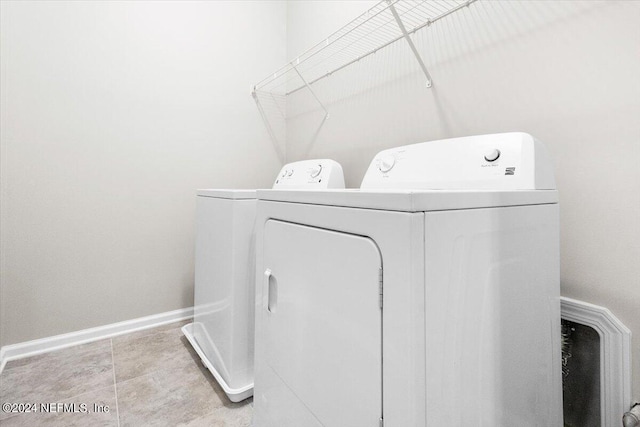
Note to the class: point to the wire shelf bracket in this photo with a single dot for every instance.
(410, 42)
(308, 86)
(387, 22)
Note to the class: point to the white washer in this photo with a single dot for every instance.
(429, 297)
(222, 332)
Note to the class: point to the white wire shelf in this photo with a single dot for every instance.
(384, 24)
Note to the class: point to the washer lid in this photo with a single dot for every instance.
(413, 200)
(316, 174)
(227, 194)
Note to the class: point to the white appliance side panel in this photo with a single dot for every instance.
(322, 327)
(224, 276)
(492, 302)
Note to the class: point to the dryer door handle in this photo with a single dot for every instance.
(272, 291)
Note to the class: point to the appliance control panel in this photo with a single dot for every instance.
(310, 174)
(506, 161)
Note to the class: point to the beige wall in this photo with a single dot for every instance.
(113, 114)
(566, 72)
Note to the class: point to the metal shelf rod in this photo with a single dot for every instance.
(391, 7)
(326, 43)
(382, 25)
(443, 15)
(353, 61)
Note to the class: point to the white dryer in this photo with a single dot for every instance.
(222, 332)
(429, 297)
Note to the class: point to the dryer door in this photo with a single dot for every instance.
(322, 329)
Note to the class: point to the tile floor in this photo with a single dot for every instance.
(146, 378)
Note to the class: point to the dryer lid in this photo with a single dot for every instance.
(505, 161)
(315, 174)
(412, 200)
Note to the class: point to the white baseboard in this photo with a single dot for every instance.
(615, 356)
(57, 342)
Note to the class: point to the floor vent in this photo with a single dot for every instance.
(596, 365)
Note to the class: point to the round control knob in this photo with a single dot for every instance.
(290, 172)
(386, 163)
(284, 173)
(315, 171)
(492, 155)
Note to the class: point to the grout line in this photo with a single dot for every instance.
(115, 386)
